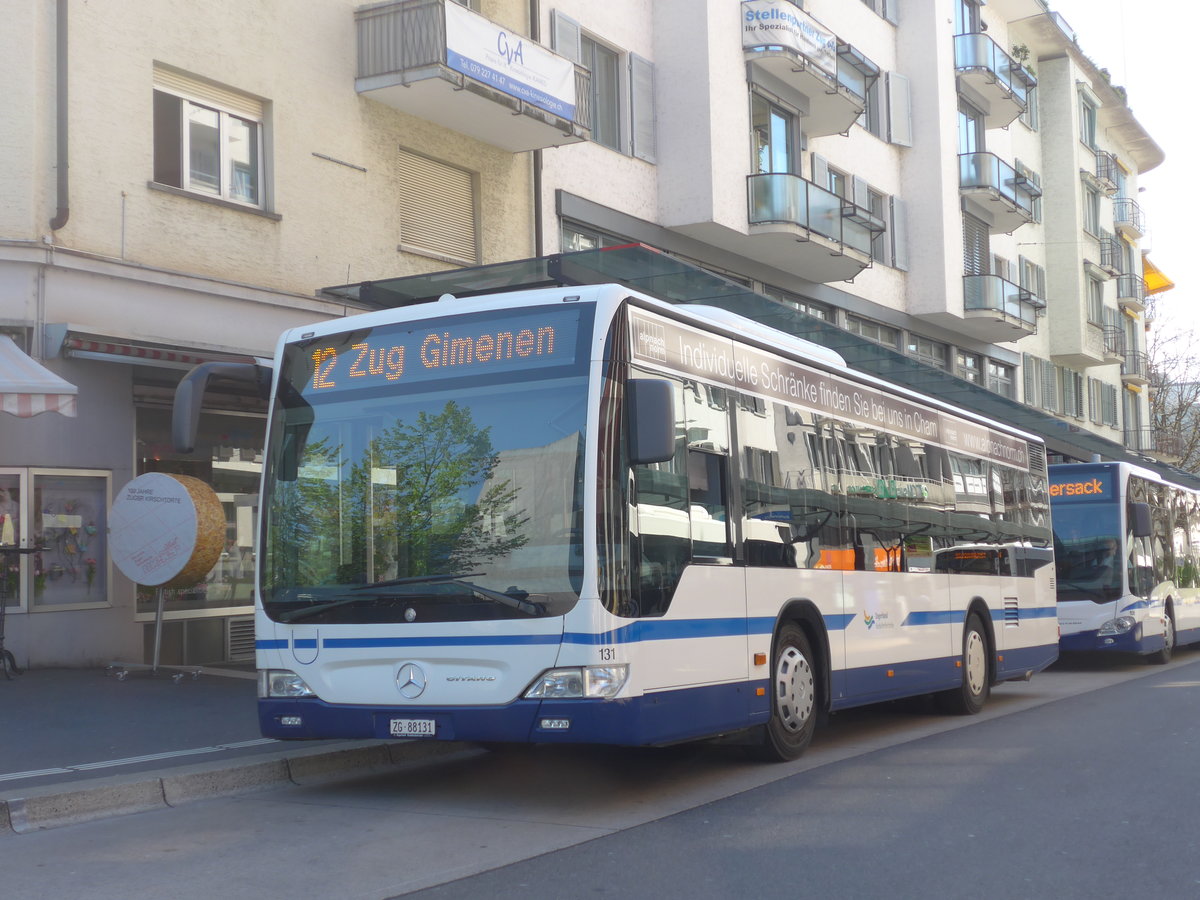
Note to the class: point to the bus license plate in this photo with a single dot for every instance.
(411, 728)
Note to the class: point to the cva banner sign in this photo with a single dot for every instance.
(509, 62)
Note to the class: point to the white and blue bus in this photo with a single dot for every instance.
(585, 515)
(1126, 547)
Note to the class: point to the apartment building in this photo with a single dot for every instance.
(944, 191)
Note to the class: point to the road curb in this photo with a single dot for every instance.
(71, 804)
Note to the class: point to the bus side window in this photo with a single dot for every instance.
(709, 504)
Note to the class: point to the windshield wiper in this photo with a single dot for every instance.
(380, 589)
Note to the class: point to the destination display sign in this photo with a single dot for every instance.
(663, 343)
(460, 346)
(1081, 486)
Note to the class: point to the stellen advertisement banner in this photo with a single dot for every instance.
(778, 23)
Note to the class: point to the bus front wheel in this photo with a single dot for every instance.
(969, 697)
(1163, 656)
(793, 697)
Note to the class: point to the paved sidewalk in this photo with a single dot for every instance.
(79, 744)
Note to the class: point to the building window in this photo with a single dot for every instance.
(1071, 391)
(207, 139)
(1095, 301)
(774, 130)
(581, 237)
(968, 366)
(1091, 210)
(438, 215)
(803, 304)
(1087, 120)
(1001, 379)
(929, 352)
(874, 331)
(1029, 116)
(604, 65)
(886, 8)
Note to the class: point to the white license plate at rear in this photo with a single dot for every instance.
(412, 728)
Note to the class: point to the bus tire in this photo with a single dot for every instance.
(1163, 656)
(794, 705)
(968, 698)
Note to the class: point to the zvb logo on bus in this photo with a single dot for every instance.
(1093, 488)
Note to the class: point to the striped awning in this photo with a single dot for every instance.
(27, 388)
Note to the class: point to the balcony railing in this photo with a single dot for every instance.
(1131, 292)
(1114, 342)
(1110, 252)
(1003, 81)
(1128, 218)
(1136, 367)
(989, 174)
(1107, 171)
(779, 198)
(409, 59)
(1141, 439)
(1008, 302)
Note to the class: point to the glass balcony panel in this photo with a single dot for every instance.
(825, 213)
(978, 51)
(996, 294)
(778, 198)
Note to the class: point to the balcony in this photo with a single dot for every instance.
(996, 310)
(439, 61)
(1141, 439)
(1107, 174)
(1002, 82)
(805, 229)
(1110, 253)
(1136, 368)
(810, 59)
(1128, 218)
(1131, 292)
(1114, 343)
(999, 194)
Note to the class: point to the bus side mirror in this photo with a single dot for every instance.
(1139, 520)
(651, 416)
(189, 396)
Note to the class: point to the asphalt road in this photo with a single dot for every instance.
(1078, 784)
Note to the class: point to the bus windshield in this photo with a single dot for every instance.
(1087, 558)
(452, 492)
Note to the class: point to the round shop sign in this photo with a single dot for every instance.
(166, 530)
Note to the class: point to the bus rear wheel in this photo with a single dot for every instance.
(793, 698)
(969, 697)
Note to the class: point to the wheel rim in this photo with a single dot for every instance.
(976, 662)
(1169, 634)
(794, 689)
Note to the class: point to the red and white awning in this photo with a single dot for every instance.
(27, 388)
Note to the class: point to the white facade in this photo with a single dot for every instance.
(219, 177)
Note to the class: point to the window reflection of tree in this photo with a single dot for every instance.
(420, 500)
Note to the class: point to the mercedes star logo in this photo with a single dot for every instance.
(410, 680)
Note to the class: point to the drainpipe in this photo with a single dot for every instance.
(60, 25)
(535, 32)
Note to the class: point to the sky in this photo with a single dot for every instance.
(1151, 49)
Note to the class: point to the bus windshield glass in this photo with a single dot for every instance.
(1087, 558)
(429, 471)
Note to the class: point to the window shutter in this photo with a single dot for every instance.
(899, 109)
(820, 171)
(1029, 380)
(437, 209)
(860, 192)
(565, 35)
(209, 94)
(975, 246)
(641, 80)
(899, 230)
(1049, 386)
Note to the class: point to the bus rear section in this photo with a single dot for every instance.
(1125, 544)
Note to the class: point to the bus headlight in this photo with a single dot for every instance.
(1119, 625)
(579, 682)
(282, 683)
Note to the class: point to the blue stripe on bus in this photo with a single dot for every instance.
(271, 645)
(1137, 604)
(473, 640)
(935, 617)
(305, 643)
